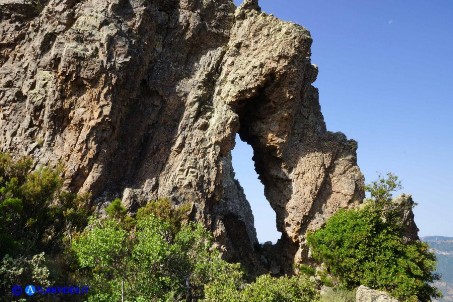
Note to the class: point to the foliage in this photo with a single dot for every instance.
(115, 209)
(162, 257)
(165, 211)
(326, 279)
(38, 218)
(382, 189)
(338, 295)
(365, 246)
(265, 288)
(291, 289)
(34, 211)
(156, 258)
(306, 270)
(23, 270)
(227, 284)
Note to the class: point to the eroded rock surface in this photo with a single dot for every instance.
(404, 205)
(365, 294)
(143, 99)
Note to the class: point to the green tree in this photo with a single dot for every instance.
(160, 256)
(34, 210)
(22, 270)
(264, 289)
(270, 289)
(116, 210)
(155, 258)
(175, 216)
(38, 218)
(382, 189)
(366, 246)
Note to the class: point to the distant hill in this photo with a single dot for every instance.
(443, 247)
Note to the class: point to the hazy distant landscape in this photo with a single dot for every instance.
(443, 247)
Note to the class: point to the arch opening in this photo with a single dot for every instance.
(245, 173)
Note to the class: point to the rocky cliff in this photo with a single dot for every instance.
(143, 99)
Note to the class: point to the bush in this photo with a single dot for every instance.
(156, 258)
(365, 246)
(265, 288)
(115, 209)
(167, 258)
(35, 212)
(338, 295)
(163, 209)
(38, 218)
(23, 270)
(290, 289)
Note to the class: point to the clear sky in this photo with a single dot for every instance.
(385, 80)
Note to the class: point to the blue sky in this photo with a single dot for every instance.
(385, 80)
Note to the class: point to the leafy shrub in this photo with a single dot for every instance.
(34, 210)
(306, 270)
(290, 289)
(38, 218)
(163, 257)
(163, 209)
(115, 209)
(265, 288)
(365, 246)
(23, 270)
(157, 259)
(338, 295)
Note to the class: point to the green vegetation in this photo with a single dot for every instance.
(34, 211)
(295, 289)
(49, 236)
(365, 246)
(38, 218)
(338, 295)
(265, 288)
(23, 270)
(147, 254)
(160, 255)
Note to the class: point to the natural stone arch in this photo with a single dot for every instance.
(144, 100)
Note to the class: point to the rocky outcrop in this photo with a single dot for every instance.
(365, 294)
(143, 99)
(404, 205)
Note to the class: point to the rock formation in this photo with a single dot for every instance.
(143, 99)
(365, 294)
(404, 205)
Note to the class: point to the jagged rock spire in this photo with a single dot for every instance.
(250, 4)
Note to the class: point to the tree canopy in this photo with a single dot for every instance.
(365, 246)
